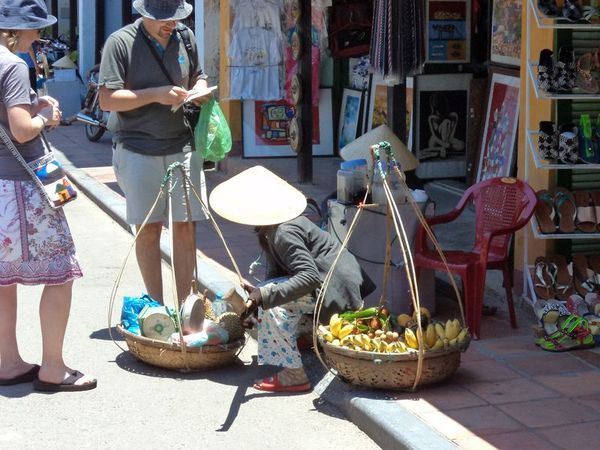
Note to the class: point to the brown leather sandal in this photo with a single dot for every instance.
(543, 279)
(586, 212)
(566, 209)
(544, 212)
(584, 277)
(563, 283)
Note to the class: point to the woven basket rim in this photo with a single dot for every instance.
(365, 355)
(221, 348)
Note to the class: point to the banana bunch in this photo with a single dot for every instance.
(448, 335)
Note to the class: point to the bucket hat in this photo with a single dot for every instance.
(257, 197)
(163, 9)
(24, 15)
(361, 147)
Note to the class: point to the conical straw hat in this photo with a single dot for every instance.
(360, 148)
(64, 63)
(257, 197)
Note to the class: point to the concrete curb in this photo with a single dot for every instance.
(389, 424)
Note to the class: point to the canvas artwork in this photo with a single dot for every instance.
(349, 116)
(448, 31)
(358, 72)
(506, 32)
(377, 109)
(500, 131)
(410, 97)
(441, 115)
(265, 127)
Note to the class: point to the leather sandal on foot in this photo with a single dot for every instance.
(27, 377)
(566, 209)
(545, 213)
(272, 384)
(586, 212)
(69, 384)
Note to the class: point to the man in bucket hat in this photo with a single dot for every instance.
(147, 67)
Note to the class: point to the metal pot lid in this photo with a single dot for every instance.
(295, 134)
(296, 89)
(296, 46)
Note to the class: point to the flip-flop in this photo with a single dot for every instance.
(586, 212)
(272, 384)
(27, 377)
(544, 212)
(544, 281)
(566, 209)
(563, 283)
(68, 384)
(584, 278)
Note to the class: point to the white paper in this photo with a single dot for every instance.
(192, 95)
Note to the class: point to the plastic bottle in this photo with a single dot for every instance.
(218, 305)
(345, 186)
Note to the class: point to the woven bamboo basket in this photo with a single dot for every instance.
(401, 371)
(390, 371)
(169, 355)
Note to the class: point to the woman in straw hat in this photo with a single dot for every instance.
(35, 242)
(301, 252)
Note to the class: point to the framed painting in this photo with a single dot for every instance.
(350, 114)
(358, 72)
(441, 124)
(506, 32)
(499, 137)
(410, 101)
(265, 127)
(447, 31)
(377, 108)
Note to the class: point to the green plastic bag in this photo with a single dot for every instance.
(212, 134)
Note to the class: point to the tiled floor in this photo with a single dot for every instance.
(507, 393)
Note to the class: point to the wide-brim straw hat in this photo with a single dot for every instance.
(361, 148)
(257, 197)
(64, 63)
(163, 9)
(25, 15)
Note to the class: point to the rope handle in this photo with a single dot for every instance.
(167, 186)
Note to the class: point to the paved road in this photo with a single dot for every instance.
(137, 406)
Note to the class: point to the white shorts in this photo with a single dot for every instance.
(140, 177)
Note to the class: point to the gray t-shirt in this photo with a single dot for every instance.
(128, 63)
(15, 90)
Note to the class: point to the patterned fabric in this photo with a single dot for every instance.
(548, 141)
(36, 246)
(564, 73)
(546, 78)
(278, 330)
(567, 148)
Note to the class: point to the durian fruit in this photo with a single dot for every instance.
(233, 324)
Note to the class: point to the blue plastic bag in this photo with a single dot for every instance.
(131, 310)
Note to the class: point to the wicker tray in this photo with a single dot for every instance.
(390, 371)
(169, 355)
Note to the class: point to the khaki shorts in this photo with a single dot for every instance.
(140, 178)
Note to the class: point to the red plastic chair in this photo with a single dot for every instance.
(502, 206)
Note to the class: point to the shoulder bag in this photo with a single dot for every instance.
(46, 172)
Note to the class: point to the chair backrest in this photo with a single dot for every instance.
(502, 206)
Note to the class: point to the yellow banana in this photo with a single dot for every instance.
(452, 342)
(439, 344)
(345, 331)
(400, 347)
(328, 336)
(430, 335)
(349, 339)
(452, 329)
(335, 325)
(439, 330)
(462, 336)
(410, 338)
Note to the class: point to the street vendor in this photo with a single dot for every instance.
(300, 254)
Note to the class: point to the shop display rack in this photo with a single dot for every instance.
(544, 22)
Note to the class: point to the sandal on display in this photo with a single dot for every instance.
(566, 209)
(572, 10)
(549, 8)
(592, 300)
(585, 80)
(543, 279)
(548, 312)
(568, 144)
(573, 333)
(548, 140)
(577, 305)
(546, 71)
(545, 213)
(584, 278)
(594, 263)
(563, 282)
(585, 138)
(586, 212)
(565, 74)
(596, 200)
